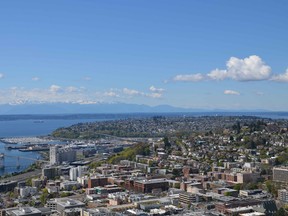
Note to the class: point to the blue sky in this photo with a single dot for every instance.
(196, 54)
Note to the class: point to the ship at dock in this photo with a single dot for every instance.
(29, 149)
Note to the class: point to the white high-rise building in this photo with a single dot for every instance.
(73, 173)
(76, 172)
(79, 169)
(54, 155)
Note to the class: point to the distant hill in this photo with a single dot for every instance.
(65, 108)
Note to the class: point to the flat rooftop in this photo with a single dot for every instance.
(25, 211)
(66, 202)
(152, 181)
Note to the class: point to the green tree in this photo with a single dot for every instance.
(44, 196)
(11, 194)
(177, 185)
(220, 164)
(237, 127)
(269, 186)
(227, 193)
(237, 187)
(281, 212)
(29, 182)
(167, 144)
(252, 186)
(130, 153)
(176, 172)
(32, 203)
(64, 194)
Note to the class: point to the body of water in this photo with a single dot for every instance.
(15, 160)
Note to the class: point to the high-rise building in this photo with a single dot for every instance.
(59, 155)
(280, 174)
(54, 155)
(67, 155)
(51, 172)
(76, 172)
(73, 173)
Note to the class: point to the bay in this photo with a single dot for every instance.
(15, 161)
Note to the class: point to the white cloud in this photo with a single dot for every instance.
(189, 77)
(85, 102)
(247, 69)
(131, 92)
(1, 75)
(217, 74)
(35, 78)
(72, 89)
(154, 95)
(231, 92)
(70, 94)
(16, 95)
(111, 94)
(157, 90)
(251, 68)
(281, 77)
(55, 88)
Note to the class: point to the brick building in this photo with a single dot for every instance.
(97, 181)
(187, 170)
(146, 186)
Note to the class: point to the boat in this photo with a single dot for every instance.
(39, 121)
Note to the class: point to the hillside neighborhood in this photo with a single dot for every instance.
(209, 165)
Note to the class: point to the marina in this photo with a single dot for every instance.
(16, 138)
(27, 140)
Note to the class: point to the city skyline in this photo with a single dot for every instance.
(190, 54)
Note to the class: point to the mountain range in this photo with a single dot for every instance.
(69, 108)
